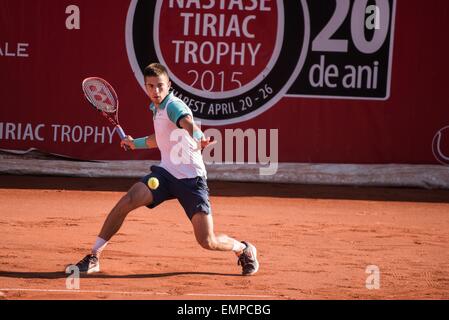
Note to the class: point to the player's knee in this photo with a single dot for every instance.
(208, 243)
(136, 197)
(129, 200)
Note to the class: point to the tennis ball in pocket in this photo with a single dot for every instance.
(153, 183)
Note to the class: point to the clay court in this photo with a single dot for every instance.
(314, 242)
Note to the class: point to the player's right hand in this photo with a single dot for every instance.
(127, 143)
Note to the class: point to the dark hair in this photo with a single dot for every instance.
(155, 70)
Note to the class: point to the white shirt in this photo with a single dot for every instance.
(180, 154)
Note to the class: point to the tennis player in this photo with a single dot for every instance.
(181, 175)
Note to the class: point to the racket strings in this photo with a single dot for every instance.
(100, 96)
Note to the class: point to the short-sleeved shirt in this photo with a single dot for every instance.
(180, 154)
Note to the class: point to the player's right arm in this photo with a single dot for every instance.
(151, 142)
(148, 142)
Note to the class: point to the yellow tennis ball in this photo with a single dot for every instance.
(153, 183)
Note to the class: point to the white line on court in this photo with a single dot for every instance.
(227, 295)
(148, 293)
(85, 291)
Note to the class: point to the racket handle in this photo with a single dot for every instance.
(122, 135)
(120, 132)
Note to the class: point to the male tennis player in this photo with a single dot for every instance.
(181, 175)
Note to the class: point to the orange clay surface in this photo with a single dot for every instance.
(314, 242)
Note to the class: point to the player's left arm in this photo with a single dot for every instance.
(187, 123)
(181, 115)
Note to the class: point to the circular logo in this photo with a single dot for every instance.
(228, 61)
(440, 144)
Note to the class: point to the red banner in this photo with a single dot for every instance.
(341, 81)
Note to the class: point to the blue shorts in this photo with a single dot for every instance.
(192, 193)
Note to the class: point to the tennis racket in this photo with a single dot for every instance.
(103, 98)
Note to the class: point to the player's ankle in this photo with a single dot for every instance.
(98, 247)
(238, 247)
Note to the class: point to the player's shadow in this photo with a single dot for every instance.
(100, 275)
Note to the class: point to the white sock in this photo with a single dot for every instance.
(99, 246)
(238, 246)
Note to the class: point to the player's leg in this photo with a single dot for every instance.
(193, 194)
(139, 195)
(203, 228)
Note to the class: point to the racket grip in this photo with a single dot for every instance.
(120, 132)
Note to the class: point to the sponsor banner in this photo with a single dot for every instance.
(225, 57)
(350, 52)
(347, 81)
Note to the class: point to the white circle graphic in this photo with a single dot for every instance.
(230, 93)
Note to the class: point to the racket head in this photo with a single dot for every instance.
(100, 94)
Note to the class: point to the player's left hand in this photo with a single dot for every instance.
(206, 142)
